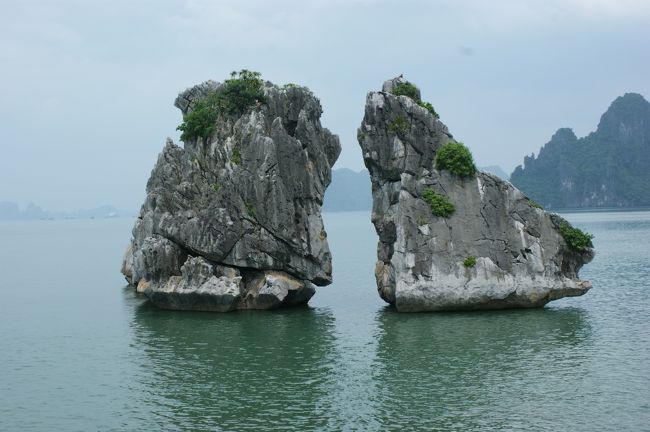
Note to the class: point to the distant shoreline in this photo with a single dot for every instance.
(550, 210)
(597, 209)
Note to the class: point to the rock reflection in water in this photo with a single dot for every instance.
(480, 370)
(244, 371)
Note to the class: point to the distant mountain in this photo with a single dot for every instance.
(496, 170)
(11, 211)
(607, 168)
(349, 191)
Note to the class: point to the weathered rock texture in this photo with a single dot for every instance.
(521, 258)
(234, 222)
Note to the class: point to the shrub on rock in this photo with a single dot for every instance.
(410, 90)
(576, 238)
(407, 89)
(243, 90)
(440, 205)
(456, 158)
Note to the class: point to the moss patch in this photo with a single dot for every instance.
(440, 205)
(251, 211)
(399, 125)
(469, 262)
(236, 156)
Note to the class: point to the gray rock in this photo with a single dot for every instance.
(200, 287)
(127, 264)
(521, 258)
(390, 85)
(234, 222)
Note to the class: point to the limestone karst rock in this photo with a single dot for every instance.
(496, 250)
(606, 168)
(233, 221)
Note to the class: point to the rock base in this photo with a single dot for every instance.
(204, 286)
(426, 297)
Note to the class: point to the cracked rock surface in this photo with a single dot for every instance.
(521, 258)
(234, 222)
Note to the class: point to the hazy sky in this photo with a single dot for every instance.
(87, 87)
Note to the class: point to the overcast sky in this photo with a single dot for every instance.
(87, 87)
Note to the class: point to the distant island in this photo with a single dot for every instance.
(608, 168)
(350, 190)
(12, 211)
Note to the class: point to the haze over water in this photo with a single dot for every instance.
(80, 351)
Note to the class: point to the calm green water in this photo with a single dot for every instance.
(79, 351)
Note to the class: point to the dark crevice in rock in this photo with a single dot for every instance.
(290, 127)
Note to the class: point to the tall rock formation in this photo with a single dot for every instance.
(607, 168)
(232, 220)
(495, 250)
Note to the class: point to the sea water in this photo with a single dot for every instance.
(80, 351)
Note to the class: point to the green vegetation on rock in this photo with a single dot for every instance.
(251, 210)
(455, 158)
(429, 108)
(236, 156)
(289, 86)
(406, 89)
(200, 122)
(470, 261)
(576, 238)
(243, 90)
(440, 205)
(535, 204)
(410, 90)
(399, 125)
